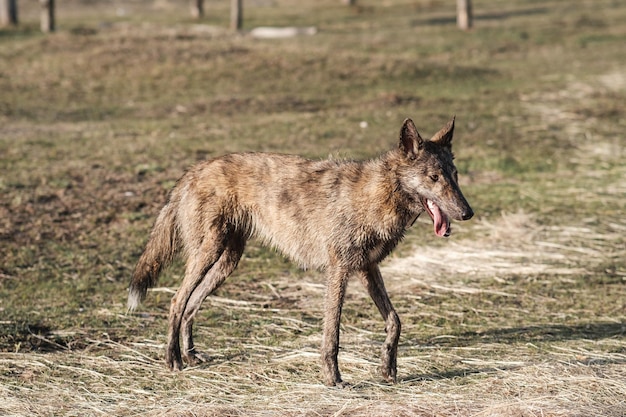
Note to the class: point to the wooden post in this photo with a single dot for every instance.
(464, 14)
(197, 8)
(236, 14)
(47, 16)
(8, 12)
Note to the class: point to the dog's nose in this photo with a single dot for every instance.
(467, 214)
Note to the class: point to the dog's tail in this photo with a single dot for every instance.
(162, 245)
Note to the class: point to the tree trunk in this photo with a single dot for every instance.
(464, 14)
(236, 14)
(47, 16)
(8, 12)
(197, 8)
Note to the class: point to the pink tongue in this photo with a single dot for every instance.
(440, 220)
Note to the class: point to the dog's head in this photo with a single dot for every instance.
(430, 177)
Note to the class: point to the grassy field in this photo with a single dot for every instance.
(521, 312)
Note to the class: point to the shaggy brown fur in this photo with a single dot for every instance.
(342, 217)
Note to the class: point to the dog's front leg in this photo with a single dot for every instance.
(336, 283)
(373, 281)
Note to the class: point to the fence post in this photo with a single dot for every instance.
(236, 14)
(8, 12)
(47, 16)
(464, 14)
(197, 8)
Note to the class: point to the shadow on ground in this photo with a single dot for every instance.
(539, 333)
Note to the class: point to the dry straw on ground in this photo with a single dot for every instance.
(483, 378)
(515, 316)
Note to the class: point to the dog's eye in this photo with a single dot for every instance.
(434, 177)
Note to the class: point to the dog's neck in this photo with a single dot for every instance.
(388, 204)
(404, 201)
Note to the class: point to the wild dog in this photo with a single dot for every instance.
(341, 217)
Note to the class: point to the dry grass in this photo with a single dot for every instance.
(542, 368)
(564, 382)
(520, 313)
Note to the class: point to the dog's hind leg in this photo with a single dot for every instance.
(373, 281)
(224, 266)
(200, 261)
(336, 283)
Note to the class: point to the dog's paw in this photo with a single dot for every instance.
(340, 385)
(390, 375)
(195, 358)
(173, 361)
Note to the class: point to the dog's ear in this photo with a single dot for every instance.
(444, 136)
(410, 140)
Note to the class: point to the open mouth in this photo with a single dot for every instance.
(441, 222)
